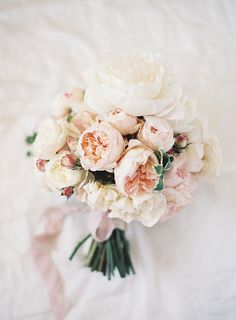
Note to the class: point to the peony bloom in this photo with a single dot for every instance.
(212, 159)
(100, 147)
(156, 133)
(135, 172)
(67, 101)
(138, 83)
(146, 208)
(59, 176)
(50, 138)
(178, 173)
(98, 196)
(182, 116)
(121, 121)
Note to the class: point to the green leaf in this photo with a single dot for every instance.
(31, 139)
(160, 185)
(78, 164)
(167, 161)
(29, 153)
(159, 169)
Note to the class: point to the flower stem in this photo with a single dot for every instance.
(79, 245)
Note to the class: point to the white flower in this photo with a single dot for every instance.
(146, 208)
(194, 153)
(79, 123)
(203, 154)
(59, 176)
(212, 159)
(50, 138)
(138, 84)
(182, 116)
(98, 196)
(67, 101)
(156, 133)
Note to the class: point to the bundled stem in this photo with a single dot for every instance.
(109, 255)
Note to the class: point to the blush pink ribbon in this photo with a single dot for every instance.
(101, 226)
(48, 229)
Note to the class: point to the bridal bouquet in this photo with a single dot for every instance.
(131, 146)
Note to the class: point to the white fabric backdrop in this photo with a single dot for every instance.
(186, 268)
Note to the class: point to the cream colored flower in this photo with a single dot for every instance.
(59, 176)
(98, 196)
(139, 84)
(146, 208)
(182, 116)
(100, 147)
(135, 172)
(50, 138)
(67, 101)
(212, 159)
(121, 121)
(79, 123)
(156, 133)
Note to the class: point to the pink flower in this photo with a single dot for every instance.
(100, 147)
(178, 173)
(68, 160)
(67, 192)
(135, 172)
(40, 164)
(176, 199)
(156, 133)
(180, 196)
(123, 122)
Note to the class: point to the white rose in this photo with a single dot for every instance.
(50, 138)
(182, 116)
(59, 177)
(194, 153)
(139, 84)
(146, 208)
(197, 136)
(98, 196)
(67, 101)
(156, 133)
(212, 159)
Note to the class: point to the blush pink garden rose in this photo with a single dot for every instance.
(123, 122)
(179, 188)
(176, 199)
(156, 133)
(178, 173)
(135, 172)
(100, 147)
